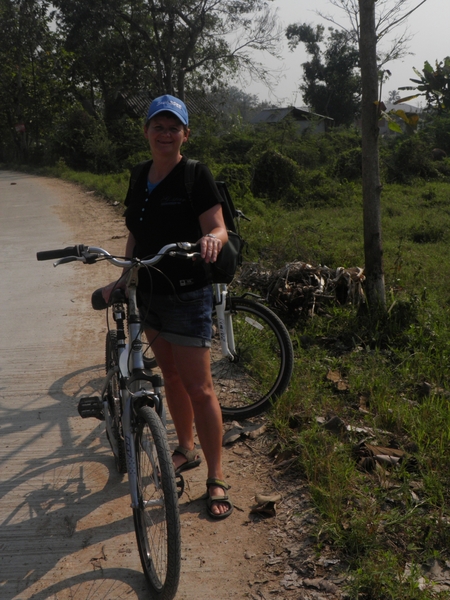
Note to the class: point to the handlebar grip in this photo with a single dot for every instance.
(60, 253)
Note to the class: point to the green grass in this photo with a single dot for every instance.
(384, 523)
(113, 187)
(387, 523)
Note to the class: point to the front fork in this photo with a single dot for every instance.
(129, 424)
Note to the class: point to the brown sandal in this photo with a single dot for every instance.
(210, 499)
(192, 459)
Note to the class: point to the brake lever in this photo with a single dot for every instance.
(66, 259)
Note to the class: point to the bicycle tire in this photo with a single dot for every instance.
(157, 525)
(262, 367)
(113, 395)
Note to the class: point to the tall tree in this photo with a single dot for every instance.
(169, 45)
(30, 76)
(373, 251)
(369, 28)
(204, 43)
(368, 22)
(331, 83)
(108, 55)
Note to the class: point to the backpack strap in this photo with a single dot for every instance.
(228, 210)
(189, 177)
(136, 172)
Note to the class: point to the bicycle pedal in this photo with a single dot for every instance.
(91, 406)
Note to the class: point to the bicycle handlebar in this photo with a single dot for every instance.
(90, 254)
(73, 251)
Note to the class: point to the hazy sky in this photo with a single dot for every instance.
(429, 26)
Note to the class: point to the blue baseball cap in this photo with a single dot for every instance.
(169, 104)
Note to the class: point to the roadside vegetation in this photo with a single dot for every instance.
(363, 386)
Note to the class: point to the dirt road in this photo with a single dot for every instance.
(66, 530)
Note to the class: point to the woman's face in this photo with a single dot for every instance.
(165, 134)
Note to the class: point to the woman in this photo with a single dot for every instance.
(176, 299)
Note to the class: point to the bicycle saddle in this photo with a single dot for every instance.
(98, 302)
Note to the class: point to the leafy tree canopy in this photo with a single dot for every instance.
(332, 84)
(167, 46)
(33, 74)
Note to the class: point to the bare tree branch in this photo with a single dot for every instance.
(390, 14)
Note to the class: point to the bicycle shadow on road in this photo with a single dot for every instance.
(65, 509)
(110, 583)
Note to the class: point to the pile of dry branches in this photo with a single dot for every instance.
(302, 289)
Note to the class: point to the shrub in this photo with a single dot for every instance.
(273, 175)
(411, 159)
(438, 131)
(349, 165)
(128, 138)
(315, 188)
(237, 178)
(236, 147)
(427, 233)
(338, 141)
(100, 151)
(83, 143)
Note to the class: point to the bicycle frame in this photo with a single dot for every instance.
(132, 407)
(131, 373)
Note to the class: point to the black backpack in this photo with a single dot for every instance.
(230, 257)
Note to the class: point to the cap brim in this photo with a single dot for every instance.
(177, 115)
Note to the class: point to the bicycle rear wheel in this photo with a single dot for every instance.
(157, 520)
(261, 370)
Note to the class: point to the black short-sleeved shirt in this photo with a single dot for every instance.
(167, 215)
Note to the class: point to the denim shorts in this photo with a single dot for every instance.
(184, 319)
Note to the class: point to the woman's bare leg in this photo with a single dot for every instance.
(190, 394)
(178, 400)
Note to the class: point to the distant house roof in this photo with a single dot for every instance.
(275, 115)
(136, 105)
(408, 108)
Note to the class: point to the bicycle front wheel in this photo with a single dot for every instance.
(261, 369)
(157, 520)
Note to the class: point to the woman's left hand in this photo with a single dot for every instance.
(210, 246)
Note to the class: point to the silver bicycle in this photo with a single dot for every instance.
(132, 407)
